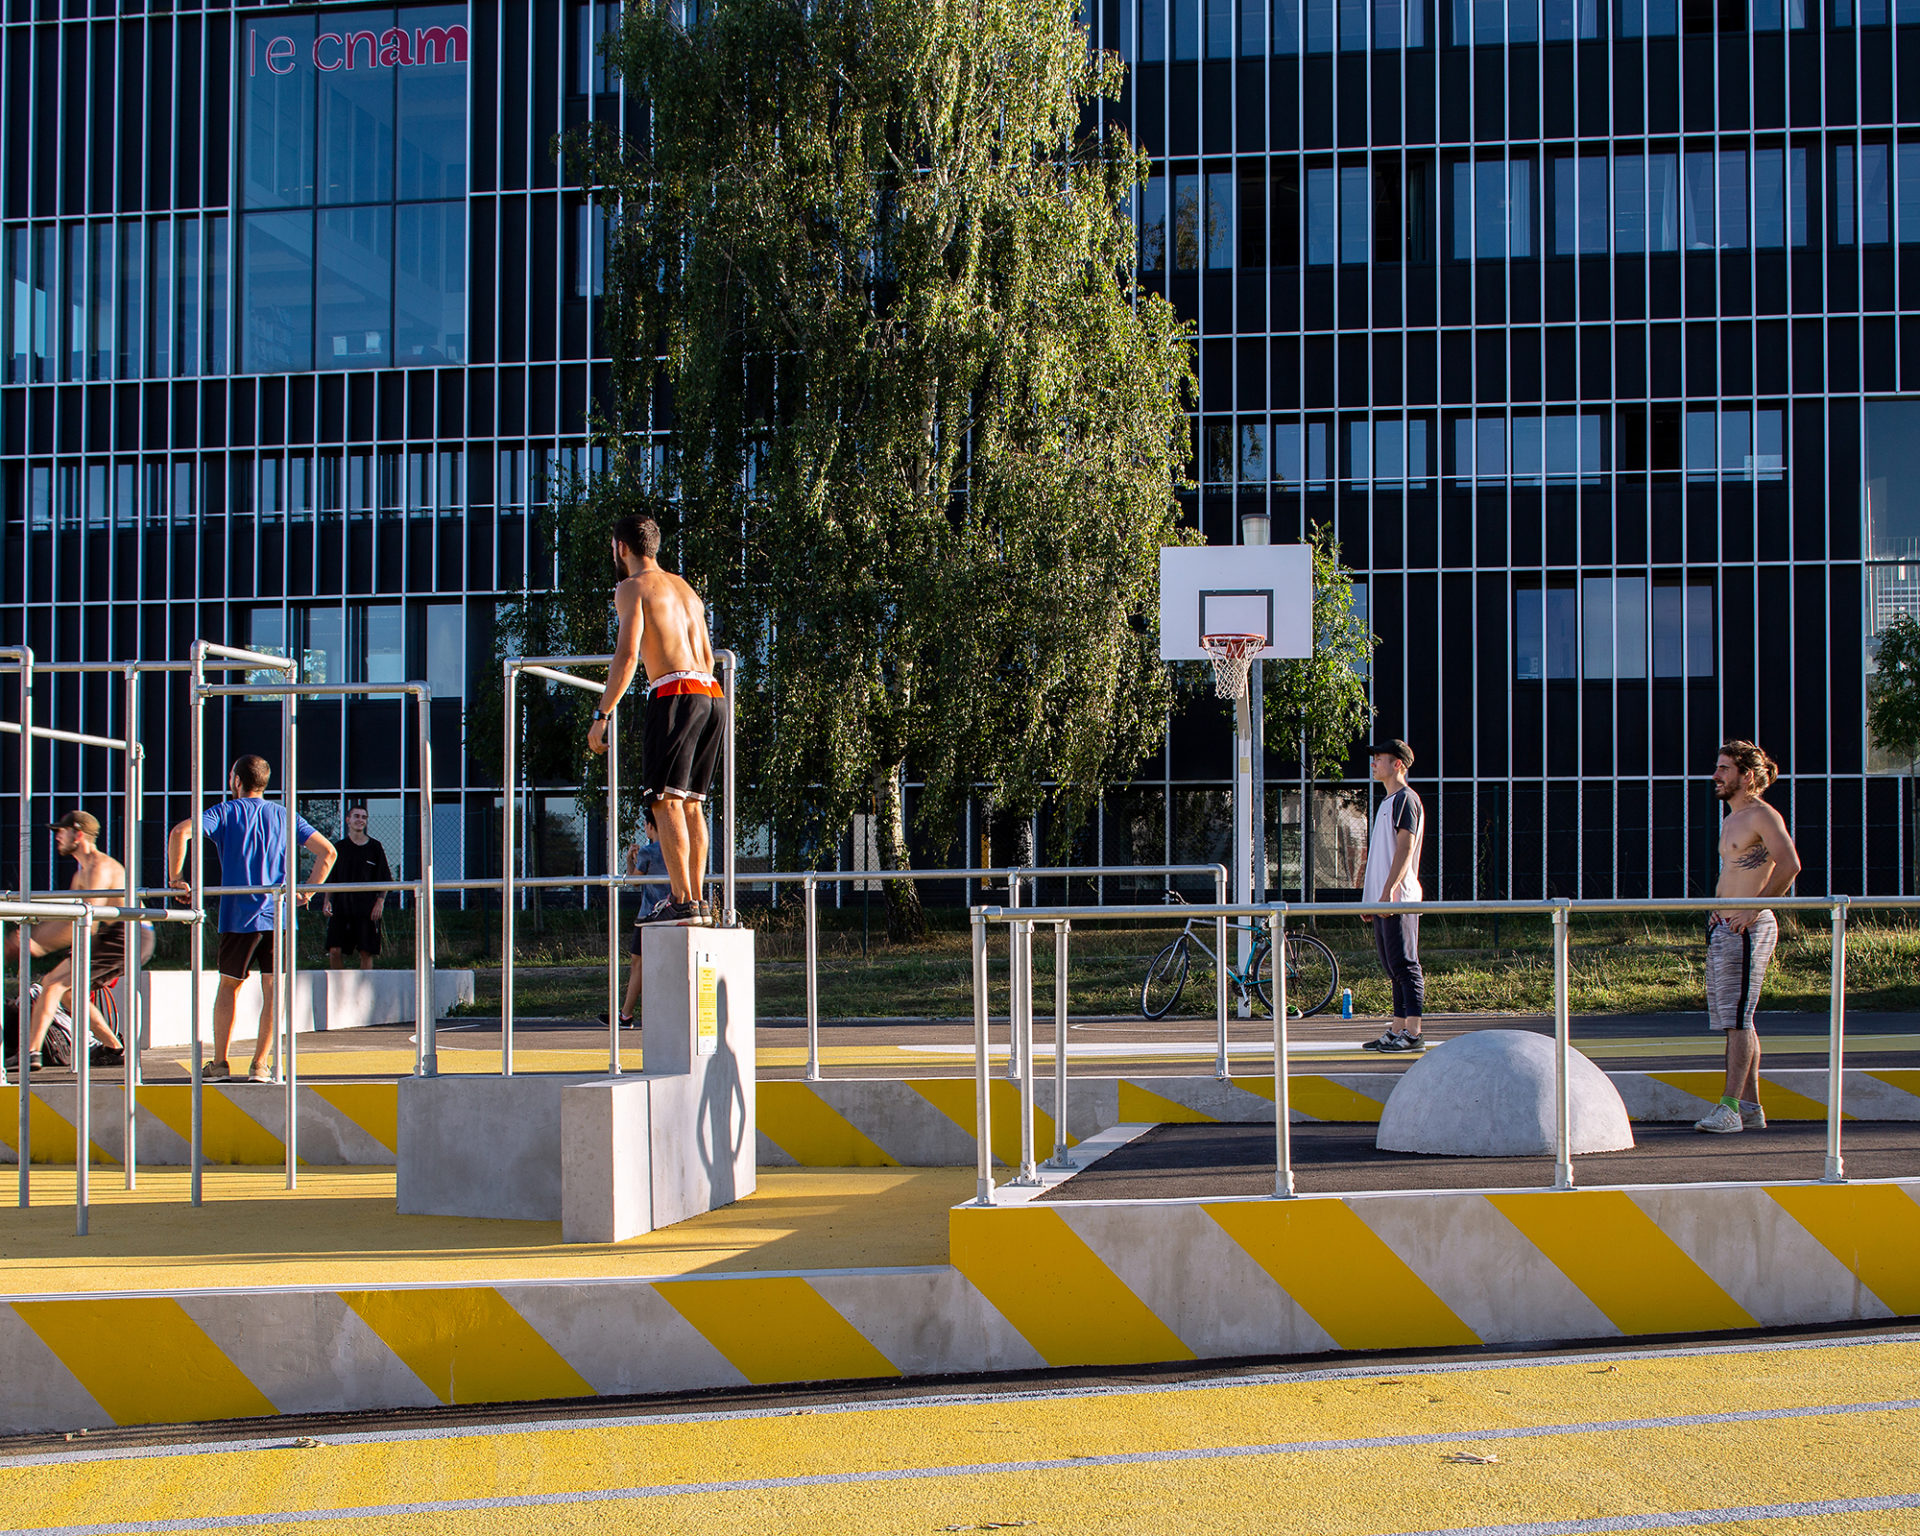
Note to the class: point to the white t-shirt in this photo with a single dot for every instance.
(1400, 812)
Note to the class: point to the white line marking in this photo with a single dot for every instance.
(1689, 1517)
(1066, 1464)
(1146, 1048)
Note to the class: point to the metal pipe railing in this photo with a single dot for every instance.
(1019, 922)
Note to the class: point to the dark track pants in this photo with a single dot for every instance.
(1398, 941)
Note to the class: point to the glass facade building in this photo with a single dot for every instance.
(1585, 323)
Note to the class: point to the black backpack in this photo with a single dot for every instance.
(56, 1050)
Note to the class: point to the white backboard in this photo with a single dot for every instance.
(1249, 589)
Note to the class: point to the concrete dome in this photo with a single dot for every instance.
(1490, 1094)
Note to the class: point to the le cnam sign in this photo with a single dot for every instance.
(395, 47)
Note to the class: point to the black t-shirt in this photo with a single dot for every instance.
(359, 863)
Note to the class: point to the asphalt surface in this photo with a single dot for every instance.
(1173, 1162)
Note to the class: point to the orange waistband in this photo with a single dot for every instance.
(666, 688)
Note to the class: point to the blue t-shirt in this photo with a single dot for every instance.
(251, 835)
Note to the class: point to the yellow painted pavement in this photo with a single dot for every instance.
(1301, 1456)
(346, 1232)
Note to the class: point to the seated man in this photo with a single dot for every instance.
(74, 836)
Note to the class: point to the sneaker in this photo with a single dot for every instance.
(1403, 1043)
(1384, 1043)
(626, 1019)
(215, 1072)
(1754, 1119)
(107, 1056)
(261, 1074)
(706, 914)
(665, 911)
(33, 1062)
(1719, 1120)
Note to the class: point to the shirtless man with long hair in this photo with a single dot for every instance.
(1757, 858)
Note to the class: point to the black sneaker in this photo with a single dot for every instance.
(663, 912)
(1393, 1042)
(107, 1056)
(33, 1062)
(1384, 1043)
(626, 1019)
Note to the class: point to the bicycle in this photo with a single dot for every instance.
(1313, 975)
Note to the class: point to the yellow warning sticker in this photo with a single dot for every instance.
(706, 1006)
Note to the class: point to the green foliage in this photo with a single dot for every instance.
(1324, 695)
(1893, 693)
(925, 433)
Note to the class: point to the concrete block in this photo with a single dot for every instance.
(481, 1146)
(606, 1160)
(1491, 1094)
(321, 1000)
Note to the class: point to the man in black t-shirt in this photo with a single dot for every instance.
(353, 917)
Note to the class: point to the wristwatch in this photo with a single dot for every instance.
(603, 714)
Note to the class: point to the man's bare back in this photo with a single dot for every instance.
(99, 871)
(670, 619)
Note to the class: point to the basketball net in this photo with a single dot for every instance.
(1232, 657)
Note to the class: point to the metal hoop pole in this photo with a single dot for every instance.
(1282, 1095)
(1060, 1159)
(615, 867)
(1562, 1046)
(426, 1047)
(810, 912)
(731, 666)
(290, 929)
(982, 1082)
(80, 995)
(1014, 1070)
(197, 895)
(1836, 1170)
(1023, 1026)
(134, 768)
(509, 792)
(25, 1141)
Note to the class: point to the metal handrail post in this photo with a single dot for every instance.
(23, 660)
(1282, 1092)
(82, 1013)
(1014, 979)
(1029, 1170)
(425, 909)
(1221, 1069)
(982, 1083)
(133, 769)
(290, 927)
(730, 666)
(1060, 1159)
(1562, 1046)
(509, 792)
(615, 867)
(1836, 1171)
(810, 914)
(197, 897)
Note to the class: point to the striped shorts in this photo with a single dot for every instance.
(1736, 965)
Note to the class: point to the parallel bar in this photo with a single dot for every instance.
(1836, 1170)
(82, 1014)
(615, 865)
(426, 1048)
(289, 960)
(1282, 1093)
(809, 891)
(1029, 1175)
(509, 795)
(729, 665)
(197, 899)
(1562, 1046)
(982, 1101)
(133, 766)
(1221, 1069)
(554, 675)
(79, 738)
(304, 690)
(22, 658)
(1060, 1158)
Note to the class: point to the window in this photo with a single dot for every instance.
(382, 643)
(1546, 632)
(1683, 629)
(1153, 31)
(1219, 29)
(1186, 29)
(1320, 225)
(1699, 200)
(1733, 199)
(1186, 223)
(1286, 26)
(323, 656)
(447, 650)
(1356, 240)
(1219, 222)
(1580, 216)
(1874, 227)
(1353, 26)
(1218, 468)
(1153, 225)
(1319, 26)
(1614, 627)
(352, 246)
(1253, 454)
(1843, 194)
(1909, 204)
(1892, 501)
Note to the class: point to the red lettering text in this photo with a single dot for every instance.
(440, 45)
(373, 48)
(396, 46)
(320, 42)
(280, 55)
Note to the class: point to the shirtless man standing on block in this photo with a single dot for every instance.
(1757, 858)
(663, 625)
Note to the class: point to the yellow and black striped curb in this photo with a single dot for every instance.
(1057, 1284)
(866, 1122)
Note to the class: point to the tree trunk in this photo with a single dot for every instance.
(906, 922)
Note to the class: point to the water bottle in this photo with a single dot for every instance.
(1346, 1002)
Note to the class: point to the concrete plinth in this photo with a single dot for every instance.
(607, 1157)
(321, 1000)
(1491, 1094)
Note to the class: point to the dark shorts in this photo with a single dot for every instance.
(109, 958)
(243, 952)
(357, 935)
(680, 746)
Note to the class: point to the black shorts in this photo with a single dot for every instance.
(243, 952)
(109, 957)
(680, 746)
(357, 935)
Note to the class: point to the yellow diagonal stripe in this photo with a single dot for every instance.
(1779, 1103)
(1619, 1259)
(797, 1120)
(1055, 1290)
(52, 1133)
(1341, 1274)
(953, 1097)
(144, 1360)
(467, 1345)
(1906, 1079)
(1873, 1229)
(229, 1134)
(1142, 1106)
(775, 1328)
(1320, 1097)
(374, 1107)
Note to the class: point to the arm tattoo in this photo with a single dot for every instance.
(1755, 857)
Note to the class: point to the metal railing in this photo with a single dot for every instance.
(1020, 923)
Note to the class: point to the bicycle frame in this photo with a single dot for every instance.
(1262, 942)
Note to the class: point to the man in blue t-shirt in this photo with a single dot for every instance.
(251, 835)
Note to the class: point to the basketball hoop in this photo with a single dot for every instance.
(1232, 656)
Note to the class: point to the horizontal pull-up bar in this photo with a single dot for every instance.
(550, 675)
(29, 910)
(559, 661)
(78, 738)
(204, 649)
(310, 690)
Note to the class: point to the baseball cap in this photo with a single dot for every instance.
(79, 821)
(1393, 747)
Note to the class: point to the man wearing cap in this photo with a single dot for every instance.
(1393, 875)
(75, 836)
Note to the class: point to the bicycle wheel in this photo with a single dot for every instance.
(1313, 975)
(1165, 978)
